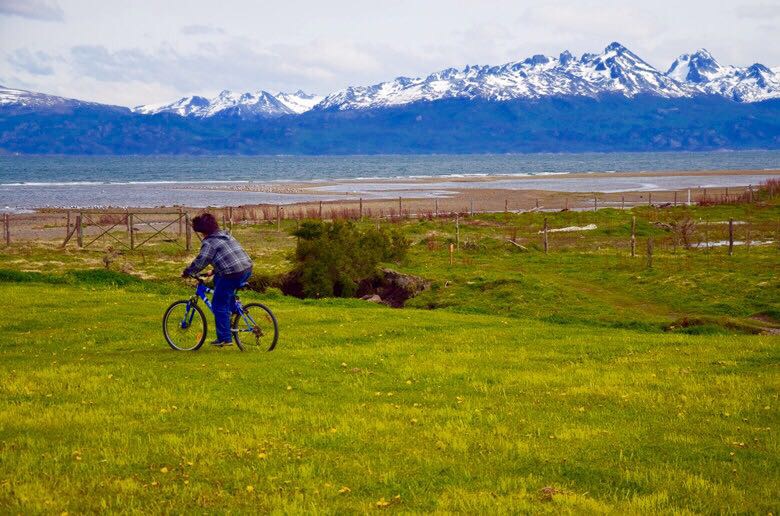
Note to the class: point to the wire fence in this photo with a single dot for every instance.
(131, 229)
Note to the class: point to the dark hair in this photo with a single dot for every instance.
(205, 223)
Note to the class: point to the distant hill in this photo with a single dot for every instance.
(571, 124)
(612, 101)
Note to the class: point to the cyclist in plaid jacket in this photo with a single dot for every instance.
(232, 267)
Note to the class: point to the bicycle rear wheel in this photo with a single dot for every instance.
(184, 326)
(255, 328)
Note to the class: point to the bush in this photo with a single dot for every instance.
(332, 258)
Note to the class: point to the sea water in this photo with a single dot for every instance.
(28, 182)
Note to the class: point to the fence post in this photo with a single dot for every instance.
(457, 231)
(452, 248)
(361, 208)
(230, 219)
(567, 204)
(400, 207)
(675, 198)
(506, 205)
(188, 230)
(650, 199)
(622, 202)
(471, 207)
(689, 196)
(537, 203)
(180, 222)
(649, 252)
(132, 231)
(80, 230)
(320, 214)
(633, 236)
(67, 226)
(731, 237)
(278, 218)
(436, 207)
(7, 228)
(595, 203)
(545, 236)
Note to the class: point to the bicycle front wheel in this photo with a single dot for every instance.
(184, 326)
(256, 327)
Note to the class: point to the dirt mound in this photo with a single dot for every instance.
(393, 287)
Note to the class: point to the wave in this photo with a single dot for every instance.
(122, 183)
(191, 182)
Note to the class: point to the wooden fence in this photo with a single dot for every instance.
(126, 228)
(105, 222)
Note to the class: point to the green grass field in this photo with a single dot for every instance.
(540, 383)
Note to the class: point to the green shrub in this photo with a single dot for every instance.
(332, 258)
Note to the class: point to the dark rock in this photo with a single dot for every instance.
(393, 287)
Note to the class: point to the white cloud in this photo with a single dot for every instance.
(200, 30)
(759, 11)
(46, 10)
(34, 63)
(238, 63)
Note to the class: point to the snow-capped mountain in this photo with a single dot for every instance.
(15, 99)
(750, 84)
(184, 107)
(616, 70)
(243, 105)
(298, 102)
(699, 67)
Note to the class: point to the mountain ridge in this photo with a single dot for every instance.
(611, 101)
(243, 105)
(615, 70)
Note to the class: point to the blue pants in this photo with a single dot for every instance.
(223, 301)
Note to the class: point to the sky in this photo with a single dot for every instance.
(141, 52)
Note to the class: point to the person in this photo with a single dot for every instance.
(232, 267)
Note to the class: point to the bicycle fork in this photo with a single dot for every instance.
(189, 314)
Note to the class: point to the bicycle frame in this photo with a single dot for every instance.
(202, 292)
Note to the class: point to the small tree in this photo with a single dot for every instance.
(332, 258)
(683, 230)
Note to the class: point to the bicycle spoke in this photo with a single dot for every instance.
(263, 330)
(184, 326)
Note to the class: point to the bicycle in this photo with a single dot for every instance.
(184, 324)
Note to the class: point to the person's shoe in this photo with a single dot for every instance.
(220, 343)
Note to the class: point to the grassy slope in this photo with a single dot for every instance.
(450, 411)
(588, 277)
(532, 376)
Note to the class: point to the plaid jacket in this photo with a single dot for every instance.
(223, 252)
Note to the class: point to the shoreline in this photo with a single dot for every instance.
(392, 199)
(197, 194)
